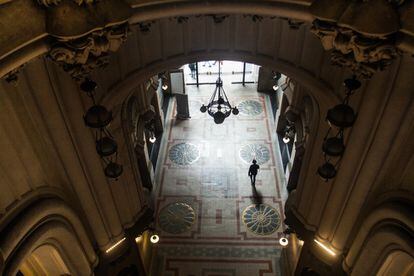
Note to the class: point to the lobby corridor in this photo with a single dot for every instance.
(210, 219)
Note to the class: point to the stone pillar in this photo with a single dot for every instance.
(125, 259)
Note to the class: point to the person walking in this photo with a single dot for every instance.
(192, 69)
(253, 171)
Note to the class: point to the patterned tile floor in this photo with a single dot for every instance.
(210, 219)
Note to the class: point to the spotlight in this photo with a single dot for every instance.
(283, 241)
(286, 139)
(154, 238)
(164, 86)
(275, 87)
(138, 239)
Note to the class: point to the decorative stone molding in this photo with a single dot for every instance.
(363, 54)
(218, 18)
(13, 76)
(145, 27)
(48, 3)
(79, 57)
(254, 17)
(181, 19)
(361, 34)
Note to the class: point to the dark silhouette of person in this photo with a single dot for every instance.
(253, 171)
(193, 69)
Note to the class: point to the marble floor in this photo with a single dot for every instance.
(211, 221)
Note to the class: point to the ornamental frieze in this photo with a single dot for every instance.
(361, 33)
(79, 57)
(362, 54)
(48, 3)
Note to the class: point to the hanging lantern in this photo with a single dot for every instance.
(106, 146)
(342, 116)
(352, 83)
(327, 171)
(219, 106)
(334, 146)
(88, 86)
(97, 117)
(113, 170)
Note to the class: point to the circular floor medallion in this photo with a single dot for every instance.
(250, 108)
(259, 152)
(184, 154)
(176, 218)
(261, 219)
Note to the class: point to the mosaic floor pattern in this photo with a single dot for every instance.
(184, 154)
(250, 107)
(258, 152)
(176, 218)
(210, 219)
(261, 219)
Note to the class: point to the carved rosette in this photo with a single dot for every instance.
(362, 54)
(81, 56)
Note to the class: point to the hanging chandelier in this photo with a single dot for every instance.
(219, 106)
(98, 118)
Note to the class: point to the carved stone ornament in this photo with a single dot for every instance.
(362, 54)
(81, 56)
(48, 3)
(13, 76)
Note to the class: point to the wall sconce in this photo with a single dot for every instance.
(150, 127)
(154, 238)
(284, 240)
(290, 132)
(276, 78)
(164, 81)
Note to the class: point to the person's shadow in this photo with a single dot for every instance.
(257, 197)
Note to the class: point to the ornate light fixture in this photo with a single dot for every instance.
(219, 106)
(98, 117)
(339, 117)
(284, 239)
(276, 77)
(150, 127)
(164, 81)
(290, 132)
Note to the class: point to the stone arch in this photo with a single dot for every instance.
(45, 259)
(322, 92)
(388, 228)
(397, 263)
(47, 221)
(134, 130)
